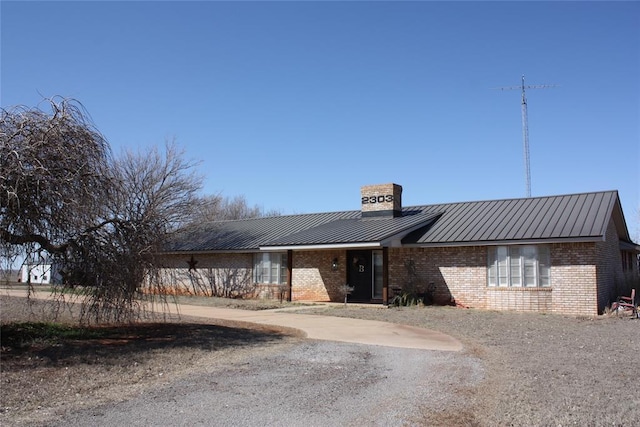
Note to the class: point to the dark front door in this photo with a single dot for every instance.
(360, 275)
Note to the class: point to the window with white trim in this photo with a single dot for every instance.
(518, 266)
(270, 268)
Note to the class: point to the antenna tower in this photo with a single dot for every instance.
(525, 129)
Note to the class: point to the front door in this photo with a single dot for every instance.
(360, 275)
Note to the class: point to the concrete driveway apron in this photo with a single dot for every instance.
(327, 328)
(331, 328)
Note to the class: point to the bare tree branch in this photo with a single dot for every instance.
(53, 172)
(101, 219)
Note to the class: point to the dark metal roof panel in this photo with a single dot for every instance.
(494, 219)
(603, 214)
(357, 230)
(538, 224)
(505, 227)
(465, 225)
(491, 215)
(529, 223)
(586, 225)
(584, 207)
(564, 227)
(554, 213)
(519, 223)
(250, 234)
(556, 217)
(455, 213)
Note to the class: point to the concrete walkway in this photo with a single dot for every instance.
(327, 328)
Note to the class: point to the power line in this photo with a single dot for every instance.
(525, 128)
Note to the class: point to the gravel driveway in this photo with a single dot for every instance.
(310, 383)
(516, 369)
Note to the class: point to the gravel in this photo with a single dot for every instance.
(517, 369)
(541, 369)
(313, 383)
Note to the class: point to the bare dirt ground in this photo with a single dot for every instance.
(539, 369)
(543, 370)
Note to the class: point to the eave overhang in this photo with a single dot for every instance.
(208, 252)
(391, 239)
(328, 246)
(629, 246)
(593, 239)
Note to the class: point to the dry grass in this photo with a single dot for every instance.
(541, 369)
(47, 378)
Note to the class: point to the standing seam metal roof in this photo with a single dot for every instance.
(357, 230)
(250, 234)
(575, 216)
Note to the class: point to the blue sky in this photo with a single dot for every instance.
(295, 105)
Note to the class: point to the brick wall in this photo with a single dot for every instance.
(583, 276)
(313, 278)
(214, 274)
(573, 279)
(460, 273)
(519, 299)
(611, 277)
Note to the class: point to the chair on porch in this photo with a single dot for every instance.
(627, 304)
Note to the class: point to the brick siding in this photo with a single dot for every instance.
(456, 272)
(583, 276)
(460, 274)
(611, 277)
(573, 279)
(313, 278)
(214, 274)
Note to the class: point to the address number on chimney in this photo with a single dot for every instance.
(370, 200)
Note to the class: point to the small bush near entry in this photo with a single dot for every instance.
(406, 299)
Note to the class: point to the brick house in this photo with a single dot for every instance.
(568, 254)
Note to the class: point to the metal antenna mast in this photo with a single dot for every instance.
(525, 129)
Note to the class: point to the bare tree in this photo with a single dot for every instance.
(54, 175)
(102, 220)
(154, 194)
(218, 208)
(227, 282)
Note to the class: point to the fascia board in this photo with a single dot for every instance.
(506, 242)
(205, 252)
(359, 245)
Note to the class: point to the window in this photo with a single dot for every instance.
(270, 268)
(517, 266)
(377, 274)
(627, 260)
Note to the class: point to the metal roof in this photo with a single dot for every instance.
(569, 217)
(358, 230)
(250, 234)
(575, 217)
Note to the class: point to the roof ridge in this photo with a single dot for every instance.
(284, 216)
(510, 199)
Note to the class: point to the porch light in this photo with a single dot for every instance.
(334, 264)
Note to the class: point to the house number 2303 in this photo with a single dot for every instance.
(369, 200)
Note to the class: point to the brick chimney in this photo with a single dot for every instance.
(383, 200)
